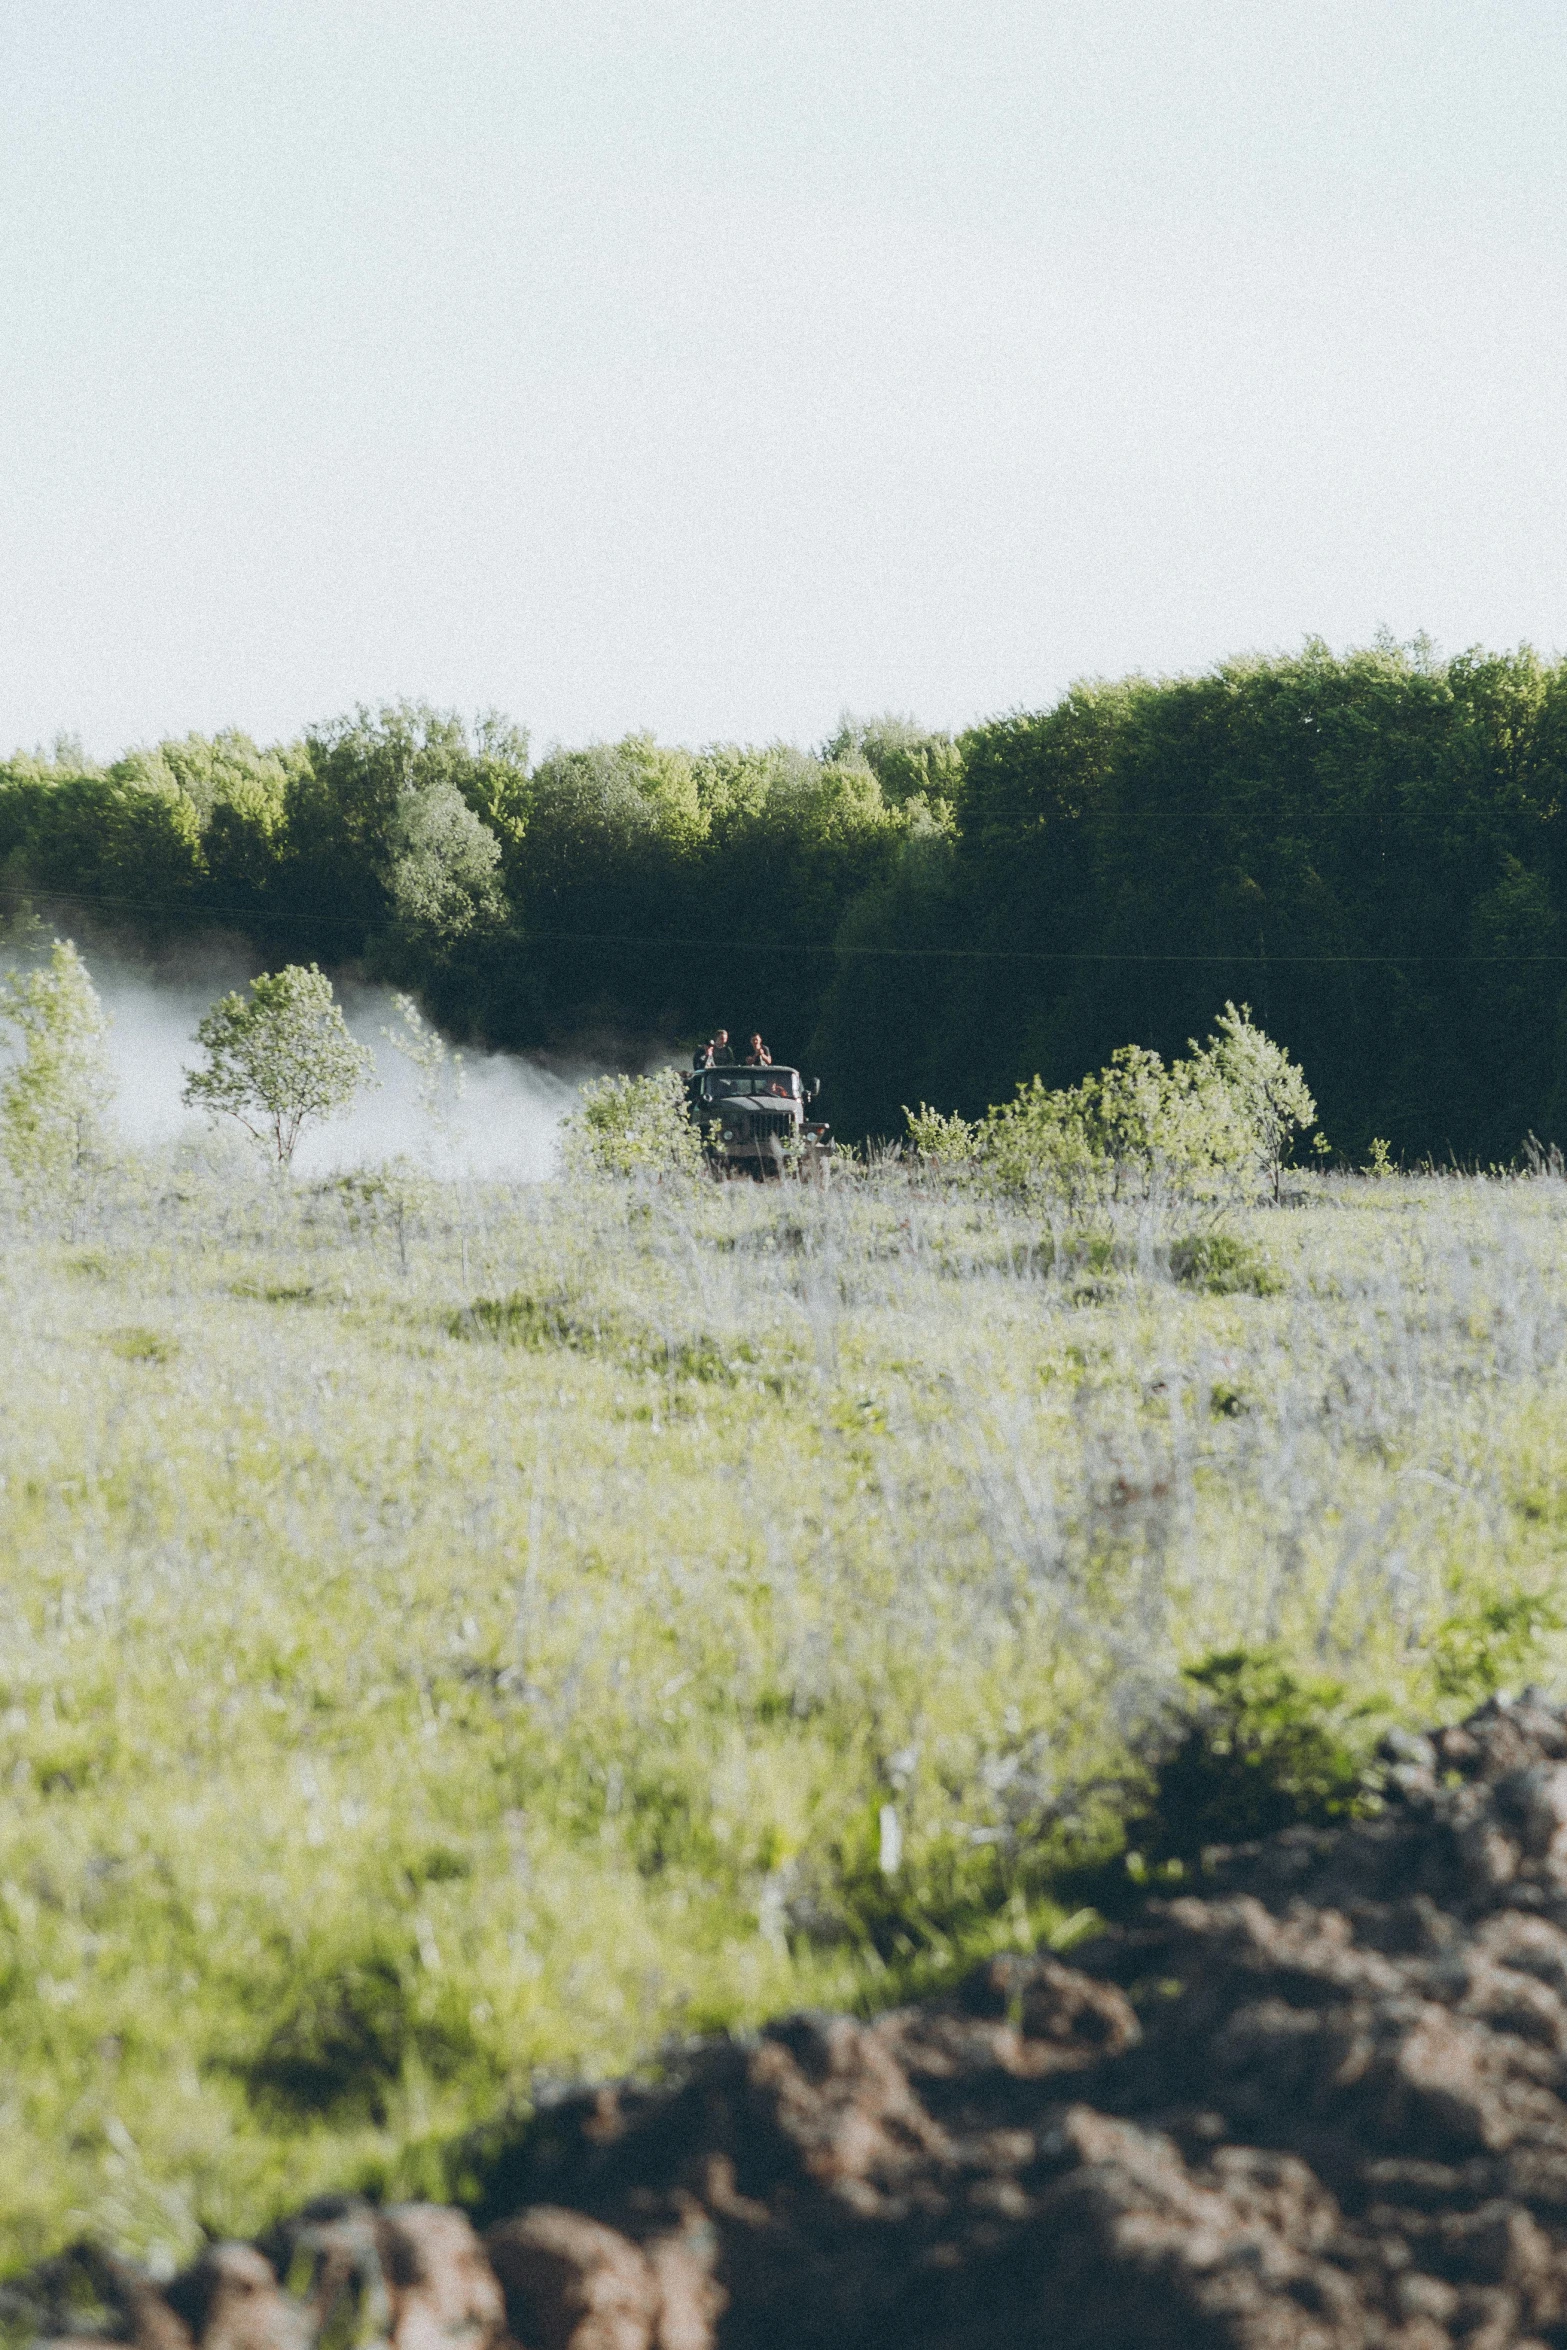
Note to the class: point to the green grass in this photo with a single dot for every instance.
(440, 1651)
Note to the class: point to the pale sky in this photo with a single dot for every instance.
(708, 367)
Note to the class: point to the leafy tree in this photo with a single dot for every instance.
(666, 776)
(214, 771)
(587, 810)
(736, 780)
(378, 835)
(238, 797)
(278, 1059)
(906, 759)
(54, 1094)
(443, 871)
(132, 849)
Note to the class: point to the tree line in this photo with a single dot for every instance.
(1367, 849)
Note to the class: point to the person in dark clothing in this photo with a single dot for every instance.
(758, 1057)
(719, 1055)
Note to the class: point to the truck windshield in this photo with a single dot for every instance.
(725, 1085)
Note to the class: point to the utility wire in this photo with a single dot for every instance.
(248, 919)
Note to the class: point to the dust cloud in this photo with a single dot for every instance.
(500, 1119)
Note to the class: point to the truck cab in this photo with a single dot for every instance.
(754, 1120)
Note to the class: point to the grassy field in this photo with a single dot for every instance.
(454, 1633)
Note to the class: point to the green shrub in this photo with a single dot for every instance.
(700, 1357)
(944, 1141)
(942, 1897)
(520, 1320)
(1225, 1265)
(538, 1323)
(1255, 1750)
(1487, 1644)
(632, 1126)
(1119, 1133)
(1269, 1091)
(135, 1344)
(1221, 1120)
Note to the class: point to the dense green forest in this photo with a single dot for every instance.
(1371, 850)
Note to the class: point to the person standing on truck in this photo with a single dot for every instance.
(719, 1055)
(758, 1057)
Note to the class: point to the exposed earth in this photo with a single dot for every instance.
(1321, 2107)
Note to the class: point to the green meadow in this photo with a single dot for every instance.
(454, 1636)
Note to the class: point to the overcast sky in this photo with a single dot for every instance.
(711, 367)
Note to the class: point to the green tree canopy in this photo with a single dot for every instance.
(1370, 848)
(278, 1058)
(907, 760)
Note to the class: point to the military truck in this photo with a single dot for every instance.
(752, 1121)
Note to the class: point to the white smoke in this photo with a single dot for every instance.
(502, 1120)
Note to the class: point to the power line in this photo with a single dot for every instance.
(1261, 957)
(1020, 811)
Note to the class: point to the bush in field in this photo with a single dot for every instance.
(1224, 1265)
(278, 1058)
(1270, 1092)
(1115, 1136)
(632, 1126)
(1118, 1134)
(53, 1096)
(1256, 1749)
(947, 1141)
(1490, 1639)
(393, 1197)
(1199, 1126)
